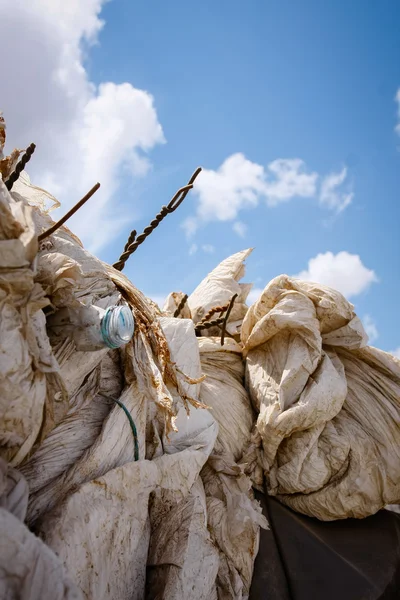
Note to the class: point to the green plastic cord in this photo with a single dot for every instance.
(131, 422)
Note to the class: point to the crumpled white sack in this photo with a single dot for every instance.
(234, 517)
(329, 408)
(46, 469)
(171, 304)
(182, 561)
(224, 392)
(101, 532)
(27, 366)
(29, 570)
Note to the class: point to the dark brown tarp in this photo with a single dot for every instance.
(302, 558)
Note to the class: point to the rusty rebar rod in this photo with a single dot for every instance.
(213, 311)
(209, 324)
(69, 214)
(228, 312)
(180, 306)
(175, 202)
(20, 166)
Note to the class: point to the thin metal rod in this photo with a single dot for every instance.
(69, 214)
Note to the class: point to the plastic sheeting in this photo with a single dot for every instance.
(302, 558)
(89, 498)
(102, 531)
(215, 531)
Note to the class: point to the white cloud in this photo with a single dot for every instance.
(193, 249)
(332, 195)
(396, 352)
(398, 110)
(84, 133)
(370, 328)
(289, 180)
(240, 228)
(254, 295)
(344, 272)
(237, 184)
(240, 184)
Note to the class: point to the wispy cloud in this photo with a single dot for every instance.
(207, 248)
(240, 228)
(193, 249)
(289, 180)
(333, 194)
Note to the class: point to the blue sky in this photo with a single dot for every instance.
(263, 81)
(270, 80)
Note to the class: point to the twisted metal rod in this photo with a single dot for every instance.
(180, 306)
(208, 325)
(175, 202)
(228, 312)
(20, 166)
(131, 239)
(220, 322)
(214, 310)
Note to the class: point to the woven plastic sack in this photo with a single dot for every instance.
(234, 518)
(182, 561)
(223, 391)
(29, 373)
(29, 570)
(329, 407)
(101, 532)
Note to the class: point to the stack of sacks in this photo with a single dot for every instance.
(74, 445)
(160, 504)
